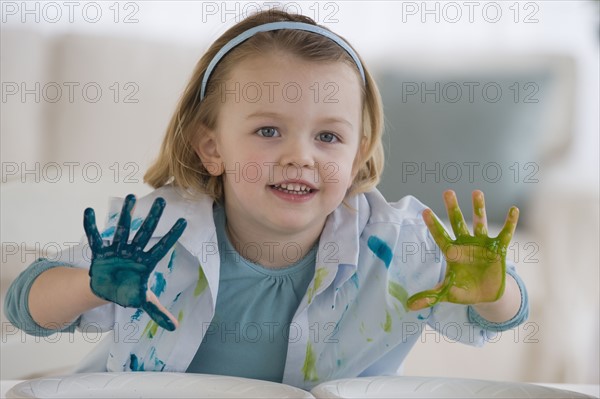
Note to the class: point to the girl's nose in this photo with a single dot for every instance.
(298, 153)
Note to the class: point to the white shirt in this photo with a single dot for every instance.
(352, 320)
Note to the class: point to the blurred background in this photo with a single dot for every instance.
(500, 96)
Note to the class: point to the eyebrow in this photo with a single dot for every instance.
(331, 119)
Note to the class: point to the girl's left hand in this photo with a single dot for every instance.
(476, 264)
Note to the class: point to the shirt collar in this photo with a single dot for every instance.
(339, 245)
(338, 251)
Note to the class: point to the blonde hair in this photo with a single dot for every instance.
(178, 163)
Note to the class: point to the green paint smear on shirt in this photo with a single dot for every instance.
(180, 316)
(320, 274)
(202, 282)
(363, 329)
(309, 368)
(387, 327)
(398, 292)
(150, 329)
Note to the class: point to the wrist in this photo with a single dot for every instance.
(90, 299)
(505, 308)
(59, 295)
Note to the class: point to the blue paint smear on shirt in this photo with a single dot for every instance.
(176, 297)
(381, 250)
(354, 279)
(158, 364)
(134, 364)
(113, 216)
(158, 286)
(335, 329)
(136, 223)
(109, 232)
(171, 262)
(137, 315)
(421, 317)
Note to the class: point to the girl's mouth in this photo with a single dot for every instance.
(293, 188)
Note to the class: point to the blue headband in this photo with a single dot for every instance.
(277, 26)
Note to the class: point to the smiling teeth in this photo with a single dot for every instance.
(293, 188)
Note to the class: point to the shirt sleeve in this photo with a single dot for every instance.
(16, 304)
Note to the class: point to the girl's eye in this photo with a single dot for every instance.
(267, 132)
(328, 137)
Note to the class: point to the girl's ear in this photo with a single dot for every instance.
(207, 149)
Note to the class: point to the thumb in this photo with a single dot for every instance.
(425, 299)
(159, 313)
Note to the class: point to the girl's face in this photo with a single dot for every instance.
(288, 135)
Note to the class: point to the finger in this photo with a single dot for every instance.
(459, 227)
(162, 247)
(423, 300)
(149, 225)
(510, 225)
(159, 313)
(440, 236)
(91, 231)
(122, 231)
(479, 216)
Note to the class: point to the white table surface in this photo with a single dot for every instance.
(588, 389)
(6, 385)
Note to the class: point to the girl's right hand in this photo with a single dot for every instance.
(119, 271)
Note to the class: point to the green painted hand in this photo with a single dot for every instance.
(476, 264)
(119, 271)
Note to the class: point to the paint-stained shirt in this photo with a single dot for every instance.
(241, 336)
(352, 320)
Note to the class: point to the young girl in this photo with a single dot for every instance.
(275, 257)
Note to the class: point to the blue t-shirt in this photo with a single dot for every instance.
(255, 307)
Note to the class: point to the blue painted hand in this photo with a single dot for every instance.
(119, 271)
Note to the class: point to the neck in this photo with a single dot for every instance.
(272, 250)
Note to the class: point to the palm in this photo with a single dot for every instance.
(119, 271)
(476, 264)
